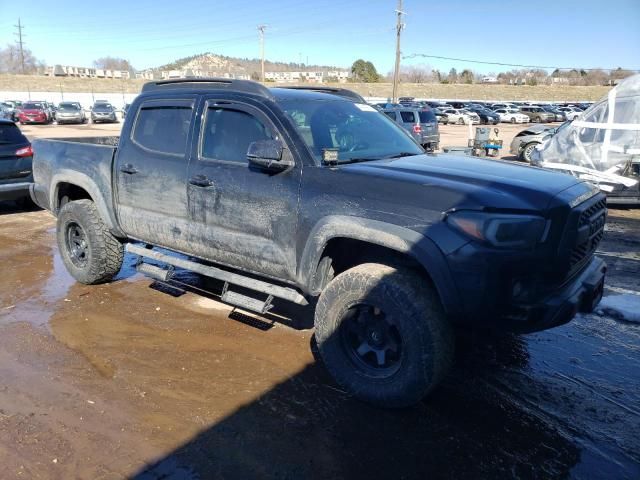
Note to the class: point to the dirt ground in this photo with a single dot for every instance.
(126, 380)
(478, 91)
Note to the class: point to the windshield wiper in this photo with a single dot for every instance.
(356, 160)
(400, 155)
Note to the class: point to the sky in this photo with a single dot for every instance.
(560, 33)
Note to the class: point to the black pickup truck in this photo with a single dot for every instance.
(303, 193)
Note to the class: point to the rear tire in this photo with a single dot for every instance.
(513, 119)
(374, 308)
(461, 121)
(89, 251)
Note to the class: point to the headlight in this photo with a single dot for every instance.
(499, 230)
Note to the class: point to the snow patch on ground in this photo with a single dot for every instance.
(624, 307)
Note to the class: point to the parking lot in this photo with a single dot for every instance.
(130, 379)
(450, 135)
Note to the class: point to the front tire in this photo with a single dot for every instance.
(528, 149)
(383, 335)
(89, 251)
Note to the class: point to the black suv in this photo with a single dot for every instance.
(15, 163)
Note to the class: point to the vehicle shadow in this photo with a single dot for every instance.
(305, 427)
(308, 427)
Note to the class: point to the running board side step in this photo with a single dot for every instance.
(270, 289)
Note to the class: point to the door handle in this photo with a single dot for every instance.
(200, 181)
(128, 168)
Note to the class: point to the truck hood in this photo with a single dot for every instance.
(452, 181)
(31, 111)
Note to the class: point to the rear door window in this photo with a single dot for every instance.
(163, 127)
(11, 134)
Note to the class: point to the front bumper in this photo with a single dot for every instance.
(487, 283)
(61, 120)
(581, 294)
(42, 119)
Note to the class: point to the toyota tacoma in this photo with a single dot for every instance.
(313, 196)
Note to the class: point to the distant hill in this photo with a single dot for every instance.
(249, 66)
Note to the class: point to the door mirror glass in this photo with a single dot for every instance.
(267, 155)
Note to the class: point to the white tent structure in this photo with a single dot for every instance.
(602, 145)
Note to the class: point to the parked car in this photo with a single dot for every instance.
(455, 105)
(10, 109)
(512, 116)
(537, 114)
(570, 112)
(421, 123)
(525, 142)
(496, 106)
(310, 194)
(441, 116)
(70, 112)
(460, 116)
(15, 163)
(34, 112)
(487, 117)
(5, 113)
(560, 116)
(103, 112)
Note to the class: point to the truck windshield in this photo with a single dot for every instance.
(357, 131)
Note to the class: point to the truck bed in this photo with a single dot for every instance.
(86, 161)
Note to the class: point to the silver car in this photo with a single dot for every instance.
(537, 114)
(70, 112)
(526, 141)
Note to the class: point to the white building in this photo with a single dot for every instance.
(87, 72)
(310, 77)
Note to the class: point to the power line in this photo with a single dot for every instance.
(439, 57)
(20, 42)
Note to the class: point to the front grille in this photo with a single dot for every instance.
(590, 232)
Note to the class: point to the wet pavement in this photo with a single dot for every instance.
(126, 380)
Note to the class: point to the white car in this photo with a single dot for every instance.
(570, 112)
(460, 116)
(497, 106)
(512, 116)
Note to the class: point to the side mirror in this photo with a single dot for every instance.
(267, 155)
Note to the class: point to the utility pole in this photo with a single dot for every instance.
(261, 29)
(396, 71)
(20, 43)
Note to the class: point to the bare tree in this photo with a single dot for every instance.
(11, 62)
(416, 74)
(112, 63)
